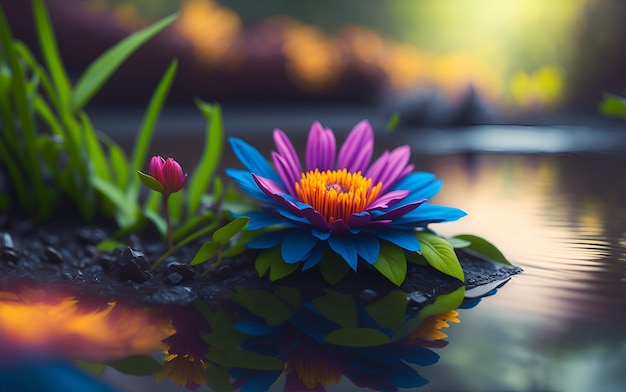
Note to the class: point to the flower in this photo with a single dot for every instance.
(340, 203)
(168, 175)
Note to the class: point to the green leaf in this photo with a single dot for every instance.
(207, 250)
(389, 311)
(142, 142)
(264, 304)
(225, 233)
(150, 182)
(137, 365)
(290, 296)
(211, 155)
(440, 254)
(51, 54)
(271, 260)
(357, 337)
(458, 243)
(97, 158)
(484, 248)
(126, 212)
(103, 67)
(338, 308)
(391, 262)
(333, 268)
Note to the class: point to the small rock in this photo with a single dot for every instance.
(224, 272)
(178, 273)
(135, 242)
(90, 235)
(106, 261)
(8, 250)
(133, 266)
(47, 238)
(54, 256)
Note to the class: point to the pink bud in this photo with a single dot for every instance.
(168, 173)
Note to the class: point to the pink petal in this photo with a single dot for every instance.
(155, 169)
(400, 211)
(285, 172)
(320, 148)
(356, 151)
(396, 164)
(387, 199)
(274, 191)
(285, 149)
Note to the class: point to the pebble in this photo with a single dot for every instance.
(418, 298)
(49, 239)
(90, 235)
(8, 250)
(224, 272)
(178, 273)
(54, 256)
(368, 295)
(133, 266)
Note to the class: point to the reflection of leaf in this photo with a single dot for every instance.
(357, 337)
(391, 262)
(338, 308)
(244, 359)
(333, 268)
(138, 365)
(484, 247)
(218, 378)
(444, 303)
(290, 296)
(440, 254)
(389, 311)
(264, 305)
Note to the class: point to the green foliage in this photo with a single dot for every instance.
(357, 337)
(391, 263)
(440, 254)
(338, 308)
(333, 268)
(263, 304)
(613, 106)
(271, 260)
(483, 247)
(48, 145)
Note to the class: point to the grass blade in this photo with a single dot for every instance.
(103, 67)
(204, 171)
(51, 54)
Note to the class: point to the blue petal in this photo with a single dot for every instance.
(261, 220)
(266, 240)
(260, 380)
(345, 247)
(296, 245)
(368, 247)
(415, 181)
(315, 256)
(403, 238)
(321, 234)
(246, 183)
(428, 213)
(252, 159)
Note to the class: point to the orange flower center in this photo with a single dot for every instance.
(336, 193)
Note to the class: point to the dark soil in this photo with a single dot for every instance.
(63, 254)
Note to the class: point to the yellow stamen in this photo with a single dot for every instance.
(336, 193)
(313, 372)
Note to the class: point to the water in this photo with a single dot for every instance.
(561, 217)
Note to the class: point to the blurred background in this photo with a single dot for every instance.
(441, 63)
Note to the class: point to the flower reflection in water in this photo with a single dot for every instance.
(47, 323)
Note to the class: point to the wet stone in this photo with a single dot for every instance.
(133, 266)
(8, 250)
(178, 273)
(47, 238)
(106, 261)
(90, 235)
(54, 256)
(224, 272)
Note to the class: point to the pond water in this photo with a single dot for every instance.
(561, 216)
